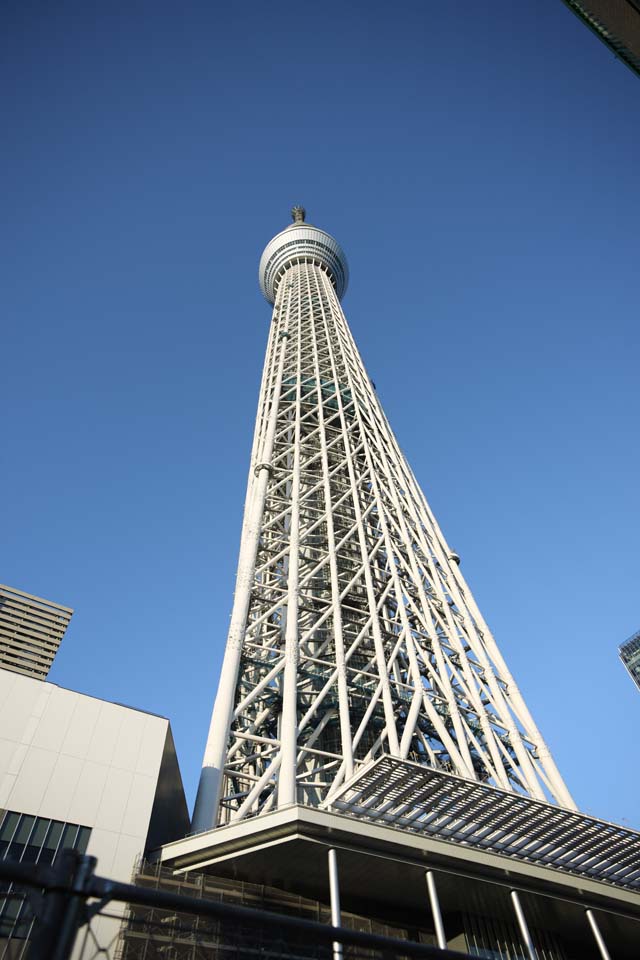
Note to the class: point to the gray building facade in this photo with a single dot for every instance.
(80, 772)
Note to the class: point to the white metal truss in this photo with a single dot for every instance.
(353, 632)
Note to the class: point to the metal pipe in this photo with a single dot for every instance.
(524, 929)
(334, 894)
(595, 929)
(287, 781)
(435, 910)
(341, 663)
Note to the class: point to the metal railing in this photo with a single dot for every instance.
(66, 899)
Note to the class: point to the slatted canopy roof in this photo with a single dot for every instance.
(412, 797)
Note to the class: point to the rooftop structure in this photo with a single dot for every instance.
(31, 630)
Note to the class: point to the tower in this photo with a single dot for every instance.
(353, 633)
(370, 758)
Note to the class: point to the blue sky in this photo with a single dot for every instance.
(479, 166)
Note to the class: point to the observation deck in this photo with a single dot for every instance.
(301, 242)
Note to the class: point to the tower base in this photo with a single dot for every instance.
(482, 898)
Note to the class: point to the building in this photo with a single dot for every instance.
(616, 23)
(629, 653)
(80, 772)
(369, 752)
(31, 630)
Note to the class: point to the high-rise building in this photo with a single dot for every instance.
(365, 717)
(31, 630)
(629, 653)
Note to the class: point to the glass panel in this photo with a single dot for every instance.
(83, 839)
(24, 829)
(24, 925)
(38, 839)
(559, 929)
(8, 825)
(13, 905)
(16, 915)
(53, 835)
(46, 855)
(30, 854)
(16, 847)
(69, 835)
(35, 841)
(40, 832)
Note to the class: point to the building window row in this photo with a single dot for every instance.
(29, 839)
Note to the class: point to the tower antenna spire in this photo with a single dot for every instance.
(298, 214)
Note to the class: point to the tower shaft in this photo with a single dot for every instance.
(353, 632)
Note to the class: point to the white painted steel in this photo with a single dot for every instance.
(595, 929)
(334, 895)
(524, 929)
(353, 632)
(435, 910)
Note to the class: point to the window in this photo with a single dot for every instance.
(30, 839)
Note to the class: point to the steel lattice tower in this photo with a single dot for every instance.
(353, 632)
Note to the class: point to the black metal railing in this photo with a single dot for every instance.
(67, 900)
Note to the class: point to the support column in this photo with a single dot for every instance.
(524, 929)
(595, 929)
(435, 910)
(334, 894)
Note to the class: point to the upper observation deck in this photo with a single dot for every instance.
(301, 242)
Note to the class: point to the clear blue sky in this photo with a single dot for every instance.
(479, 164)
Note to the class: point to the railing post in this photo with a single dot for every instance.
(55, 931)
(334, 894)
(435, 910)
